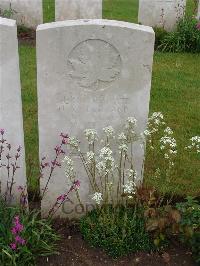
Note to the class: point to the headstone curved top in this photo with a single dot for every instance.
(11, 108)
(90, 74)
(78, 9)
(26, 12)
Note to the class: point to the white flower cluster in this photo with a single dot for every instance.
(97, 197)
(123, 146)
(91, 135)
(73, 142)
(168, 144)
(130, 188)
(89, 157)
(194, 144)
(168, 131)
(109, 131)
(106, 163)
(154, 122)
(157, 118)
(131, 174)
(69, 167)
(131, 123)
(122, 138)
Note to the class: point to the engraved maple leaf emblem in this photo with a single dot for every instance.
(94, 64)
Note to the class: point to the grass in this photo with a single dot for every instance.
(175, 92)
(48, 10)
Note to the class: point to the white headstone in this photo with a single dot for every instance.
(90, 74)
(78, 9)
(161, 13)
(27, 12)
(11, 105)
(198, 12)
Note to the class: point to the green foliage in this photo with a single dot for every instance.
(38, 233)
(160, 34)
(48, 11)
(7, 13)
(119, 231)
(190, 225)
(186, 38)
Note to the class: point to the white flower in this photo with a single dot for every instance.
(105, 152)
(97, 197)
(73, 142)
(168, 145)
(130, 187)
(194, 144)
(68, 166)
(106, 163)
(132, 121)
(123, 148)
(89, 157)
(168, 131)
(146, 133)
(166, 156)
(109, 131)
(130, 174)
(156, 115)
(91, 135)
(122, 137)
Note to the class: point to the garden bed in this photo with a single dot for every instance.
(75, 251)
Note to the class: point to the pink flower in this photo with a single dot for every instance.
(20, 240)
(2, 131)
(61, 197)
(198, 26)
(65, 136)
(14, 231)
(13, 246)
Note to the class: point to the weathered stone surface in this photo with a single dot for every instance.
(26, 12)
(161, 13)
(198, 12)
(11, 104)
(91, 74)
(78, 9)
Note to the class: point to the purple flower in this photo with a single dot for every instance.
(14, 231)
(13, 246)
(2, 131)
(65, 136)
(18, 228)
(20, 240)
(61, 197)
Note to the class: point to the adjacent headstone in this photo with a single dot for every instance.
(11, 108)
(161, 13)
(27, 12)
(78, 9)
(198, 12)
(89, 78)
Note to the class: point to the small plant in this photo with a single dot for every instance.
(190, 225)
(186, 37)
(117, 190)
(7, 13)
(24, 236)
(118, 230)
(9, 164)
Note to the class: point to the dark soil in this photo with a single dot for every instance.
(27, 36)
(75, 251)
